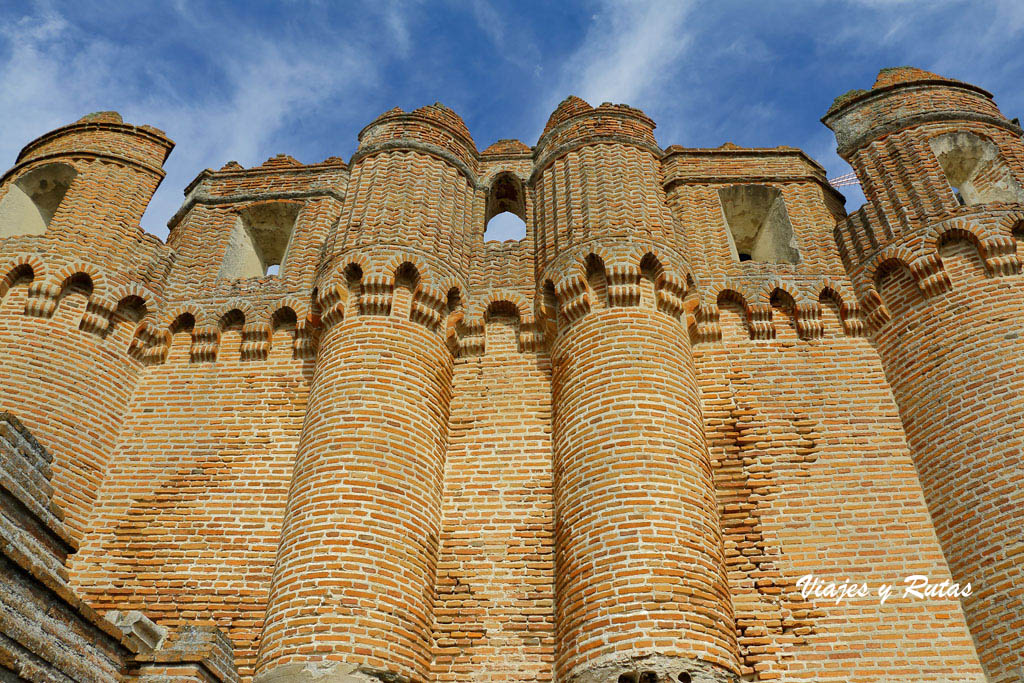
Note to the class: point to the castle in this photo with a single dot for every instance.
(329, 433)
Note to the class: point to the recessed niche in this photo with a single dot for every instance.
(259, 240)
(32, 200)
(759, 227)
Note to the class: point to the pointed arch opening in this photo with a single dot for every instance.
(506, 209)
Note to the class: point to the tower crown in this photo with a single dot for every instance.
(575, 123)
(434, 128)
(903, 97)
(103, 134)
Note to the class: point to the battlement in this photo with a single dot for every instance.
(331, 418)
(105, 135)
(282, 236)
(905, 97)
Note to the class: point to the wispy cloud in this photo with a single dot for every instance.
(630, 50)
(54, 72)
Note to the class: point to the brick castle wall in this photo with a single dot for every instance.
(604, 452)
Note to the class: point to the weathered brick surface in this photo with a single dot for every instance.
(603, 453)
(47, 632)
(188, 519)
(494, 620)
(942, 283)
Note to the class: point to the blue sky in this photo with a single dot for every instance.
(248, 80)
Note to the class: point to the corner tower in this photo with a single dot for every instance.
(640, 585)
(77, 275)
(934, 256)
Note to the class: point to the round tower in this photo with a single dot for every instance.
(76, 276)
(934, 255)
(352, 594)
(87, 184)
(641, 590)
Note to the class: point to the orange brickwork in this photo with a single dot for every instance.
(330, 420)
(941, 281)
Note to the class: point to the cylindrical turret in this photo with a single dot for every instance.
(76, 275)
(934, 260)
(86, 184)
(353, 590)
(640, 582)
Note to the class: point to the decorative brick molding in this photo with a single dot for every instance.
(332, 422)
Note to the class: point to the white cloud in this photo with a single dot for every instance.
(489, 21)
(628, 52)
(395, 14)
(53, 72)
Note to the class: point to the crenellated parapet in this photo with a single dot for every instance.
(992, 232)
(766, 304)
(756, 226)
(389, 282)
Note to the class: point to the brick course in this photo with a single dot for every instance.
(603, 453)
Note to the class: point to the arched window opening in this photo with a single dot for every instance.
(831, 313)
(259, 241)
(783, 314)
(650, 271)
(759, 226)
(501, 328)
(232, 326)
(407, 279)
(14, 289)
(732, 317)
(506, 209)
(282, 325)
(505, 226)
(181, 337)
(32, 200)
(129, 313)
(974, 169)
